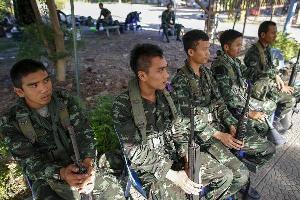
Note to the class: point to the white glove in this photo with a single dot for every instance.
(181, 179)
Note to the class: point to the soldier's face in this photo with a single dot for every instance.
(234, 49)
(157, 75)
(270, 36)
(36, 89)
(200, 54)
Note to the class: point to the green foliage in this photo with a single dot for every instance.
(4, 7)
(289, 46)
(101, 121)
(12, 185)
(31, 45)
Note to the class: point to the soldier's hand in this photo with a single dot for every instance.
(181, 179)
(88, 184)
(228, 140)
(232, 130)
(287, 89)
(259, 116)
(279, 82)
(69, 175)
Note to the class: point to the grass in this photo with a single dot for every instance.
(6, 44)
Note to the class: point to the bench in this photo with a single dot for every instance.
(107, 28)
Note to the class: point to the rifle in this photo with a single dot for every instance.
(274, 136)
(294, 71)
(194, 159)
(132, 175)
(242, 123)
(82, 169)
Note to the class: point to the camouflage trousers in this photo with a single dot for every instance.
(266, 88)
(240, 172)
(107, 187)
(268, 107)
(213, 173)
(258, 147)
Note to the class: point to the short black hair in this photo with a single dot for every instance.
(264, 27)
(100, 4)
(169, 4)
(228, 36)
(191, 38)
(23, 68)
(141, 55)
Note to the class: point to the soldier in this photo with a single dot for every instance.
(107, 18)
(156, 145)
(227, 70)
(168, 21)
(35, 130)
(265, 76)
(195, 86)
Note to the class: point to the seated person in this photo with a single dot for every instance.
(195, 87)
(227, 70)
(157, 148)
(168, 21)
(107, 18)
(37, 132)
(8, 22)
(266, 77)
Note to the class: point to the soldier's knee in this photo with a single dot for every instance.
(228, 177)
(241, 175)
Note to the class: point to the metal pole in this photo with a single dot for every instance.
(245, 19)
(272, 9)
(238, 12)
(291, 12)
(76, 68)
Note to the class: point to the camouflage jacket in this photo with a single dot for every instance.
(105, 12)
(257, 66)
(168, 17)
(227, 73)
(208, 103)
(35, 158)
(165, 144)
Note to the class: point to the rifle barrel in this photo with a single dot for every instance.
(74, 143)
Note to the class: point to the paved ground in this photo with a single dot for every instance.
(280, 179)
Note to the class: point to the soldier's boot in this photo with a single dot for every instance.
(275, 137)
(286, 122)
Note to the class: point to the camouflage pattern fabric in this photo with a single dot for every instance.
(168, 18)
(262, 72)
(166, 144)
(35, 159)
(211, 115)
(233, 87)
(107, 187)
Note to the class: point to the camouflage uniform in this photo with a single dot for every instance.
(211, 116)
(166, 18)
(262, 72)
(51, 150)
(227, 72)
(166, 143)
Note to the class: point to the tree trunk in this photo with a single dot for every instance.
(59, 41)
(39, 24)
(23, 12)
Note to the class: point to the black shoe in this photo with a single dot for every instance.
(178, 39)
(168, 41)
